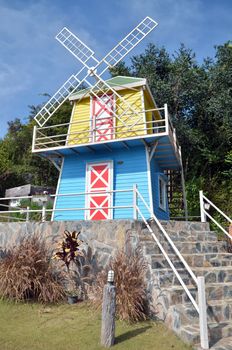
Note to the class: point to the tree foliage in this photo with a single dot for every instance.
(199, 98)
(18, 166)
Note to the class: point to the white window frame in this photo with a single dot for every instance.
(162, 184)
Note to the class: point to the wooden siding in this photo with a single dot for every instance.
(156, 171)
(149, 104)
(129, 167)
(81, 117)
(80, 123)
(134, 98)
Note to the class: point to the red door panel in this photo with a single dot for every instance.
(98, 186)
(103, 121)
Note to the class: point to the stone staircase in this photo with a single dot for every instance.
(206, 256)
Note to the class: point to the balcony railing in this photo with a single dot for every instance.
(86, 132)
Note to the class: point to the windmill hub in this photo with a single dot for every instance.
(92, 71)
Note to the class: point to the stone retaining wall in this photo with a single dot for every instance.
(103, 237)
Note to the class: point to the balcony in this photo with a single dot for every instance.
(152, 127)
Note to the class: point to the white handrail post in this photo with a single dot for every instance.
(28, 215)
(202, 312)
(203, 216)
(135, 212)
(44, 213)
(166, 118)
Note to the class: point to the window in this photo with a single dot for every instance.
(162, 193)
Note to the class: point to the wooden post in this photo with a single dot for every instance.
(108, 314)
(202, 312)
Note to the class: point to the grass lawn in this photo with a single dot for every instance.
(75, 327)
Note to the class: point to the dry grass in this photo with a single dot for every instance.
(26, 273)
(131, 297)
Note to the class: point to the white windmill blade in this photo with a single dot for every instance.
(74, 45)
(102, 89)
(83, 53)
(58, 98)
(128, 43)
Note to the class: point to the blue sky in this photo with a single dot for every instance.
(33, 62)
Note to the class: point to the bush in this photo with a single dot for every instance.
(131, 296)
(79, 264)
(26, 273)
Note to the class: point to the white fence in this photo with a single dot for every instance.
(26, 213)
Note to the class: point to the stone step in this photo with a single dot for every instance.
(219, 335)
(196, 259)
(213, 291)
(225, 343)
(182, 236)
(183, 225)
(218, 311)
(166, 277)
(151, 248)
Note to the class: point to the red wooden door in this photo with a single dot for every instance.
(99, 180)
(103, 121)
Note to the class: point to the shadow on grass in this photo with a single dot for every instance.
(130, 334)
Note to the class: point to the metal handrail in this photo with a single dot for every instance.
(200, 280)
(88, 133)
(86, 121)
(44, 210)
(68, 194)
(169, 239)
(118, 127)
(169, 262)
(205, 214)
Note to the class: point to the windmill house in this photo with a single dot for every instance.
(117, 141)
(115, 157)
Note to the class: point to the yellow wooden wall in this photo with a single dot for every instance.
(127, 118)
(81, 124)
(149, 105)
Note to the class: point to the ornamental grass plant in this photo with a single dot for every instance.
(27, 273)
(131, 296)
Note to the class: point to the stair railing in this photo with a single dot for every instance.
(200, 307)
(205, 204)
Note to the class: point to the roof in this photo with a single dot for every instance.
(118, 83)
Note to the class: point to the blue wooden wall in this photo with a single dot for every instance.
(129, 167)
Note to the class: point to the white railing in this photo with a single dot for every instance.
(205, 205)
(26, 212)
(201, 307)
(84, 132)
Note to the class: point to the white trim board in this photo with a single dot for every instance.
(57, 189)
(149, 179)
